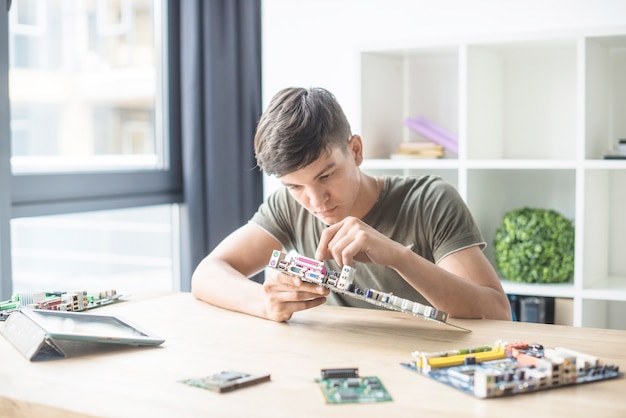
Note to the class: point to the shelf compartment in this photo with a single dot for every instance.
(492, 193)
(407, 83)
(522, 100)
(409, 164)
(521, 164)
(449, 175)
(605, 91)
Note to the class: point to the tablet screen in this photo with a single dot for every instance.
(64, 323)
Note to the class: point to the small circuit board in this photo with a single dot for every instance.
(345, 386)
(314, 271)
(58, 301)
(507, 369)
(227, 381)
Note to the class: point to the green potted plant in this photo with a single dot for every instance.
(534, 245)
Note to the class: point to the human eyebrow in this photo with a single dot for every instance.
(290, 185)
(324, 171)
(320, 174)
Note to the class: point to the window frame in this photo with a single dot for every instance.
(41, 194)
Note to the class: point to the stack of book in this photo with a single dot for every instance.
(418, 149)
(430, 131)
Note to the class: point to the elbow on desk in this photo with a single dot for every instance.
(198, 283)
(499, 309)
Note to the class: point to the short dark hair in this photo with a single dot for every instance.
(297, 127)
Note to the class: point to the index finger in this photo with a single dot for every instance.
(323, 250)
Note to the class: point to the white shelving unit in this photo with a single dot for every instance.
(534, 115)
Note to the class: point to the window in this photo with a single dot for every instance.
(123, 249)
(94, 169)
(84, 83)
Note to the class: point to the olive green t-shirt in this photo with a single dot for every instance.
(425, 212)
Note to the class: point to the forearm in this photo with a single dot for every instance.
(219, 284)
(450, 292)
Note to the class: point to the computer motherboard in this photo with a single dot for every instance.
(314, 271)
(507, 369)
(58, 301)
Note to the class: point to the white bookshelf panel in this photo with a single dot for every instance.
(522, 100)
(451, 176)
(410, 164)
(562, 290)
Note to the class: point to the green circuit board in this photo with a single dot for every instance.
(346, 386)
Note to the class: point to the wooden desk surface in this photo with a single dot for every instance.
(202, 340)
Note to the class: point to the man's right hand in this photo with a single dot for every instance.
(285, 294)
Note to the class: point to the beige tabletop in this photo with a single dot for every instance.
(201, 340)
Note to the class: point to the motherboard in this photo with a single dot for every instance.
(343, 282)
(58, 301)
(506, 369)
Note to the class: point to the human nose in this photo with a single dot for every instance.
(317, 196)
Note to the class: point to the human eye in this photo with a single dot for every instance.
(327, 176)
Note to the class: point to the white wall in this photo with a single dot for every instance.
(317, 42)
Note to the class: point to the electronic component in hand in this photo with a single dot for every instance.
(314, 271)
(227, 381)
(345, 386)
(507, 369)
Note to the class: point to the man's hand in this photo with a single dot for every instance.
(285, 294)
(353, 240)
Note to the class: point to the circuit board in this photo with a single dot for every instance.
(345, 386)
(58, 301)
(510, 369)
(226, 381)
(314, 271)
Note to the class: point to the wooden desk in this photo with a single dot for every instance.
(202, 340)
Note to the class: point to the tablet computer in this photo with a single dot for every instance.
(81, 326)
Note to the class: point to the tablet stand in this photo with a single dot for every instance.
(30, 339)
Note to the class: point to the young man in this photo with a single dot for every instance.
(413, 237)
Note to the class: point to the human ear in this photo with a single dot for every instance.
(356, 147)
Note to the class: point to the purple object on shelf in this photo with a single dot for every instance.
(433, 132)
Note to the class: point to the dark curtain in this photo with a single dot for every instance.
(220, 104)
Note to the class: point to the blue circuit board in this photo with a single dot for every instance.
(510, 369)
